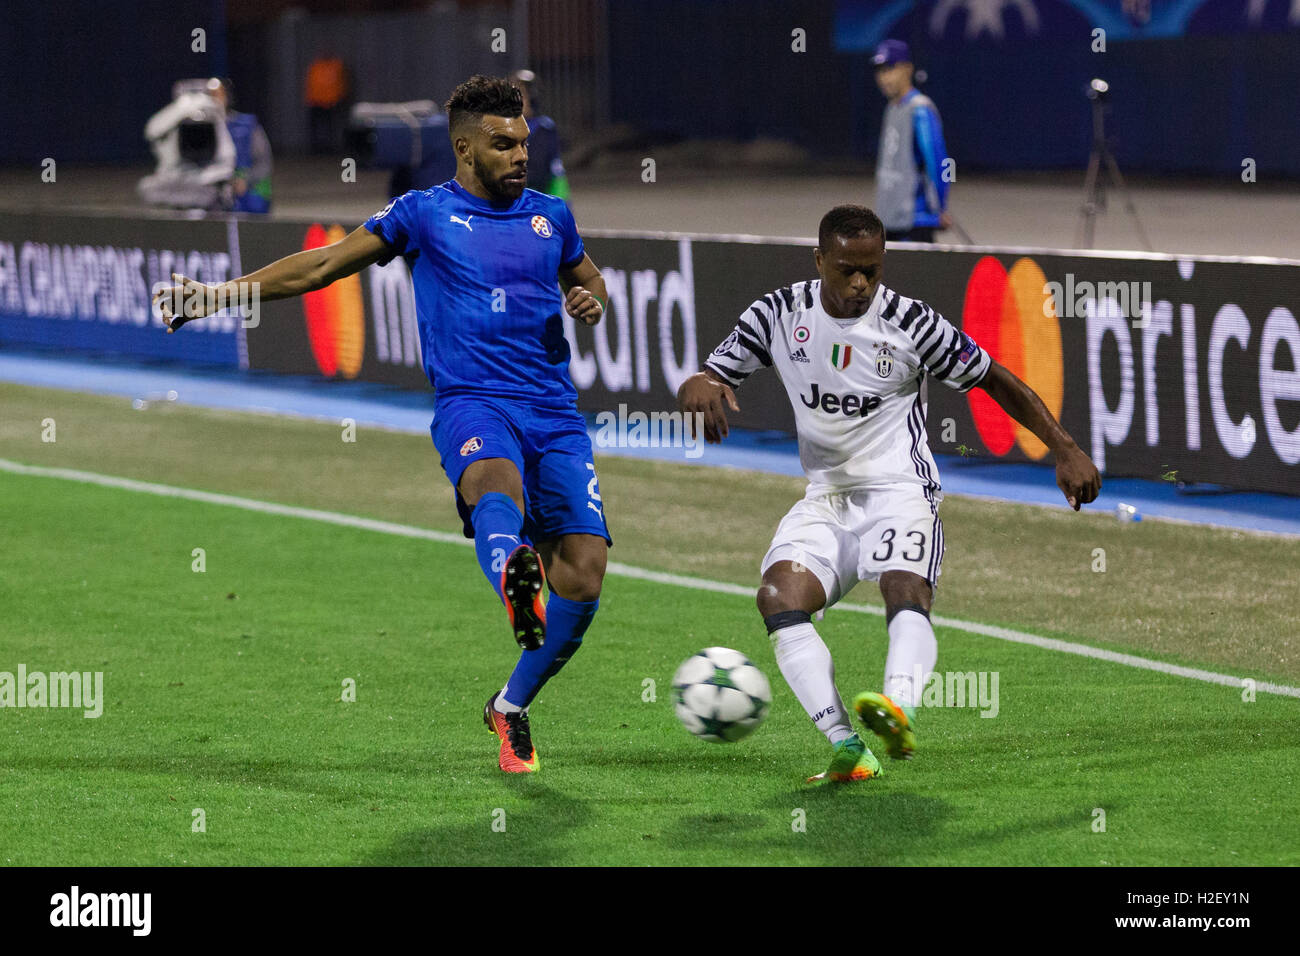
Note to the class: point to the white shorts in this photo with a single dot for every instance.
(847, 537)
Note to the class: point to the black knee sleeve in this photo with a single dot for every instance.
(890, 612)
(782, 619)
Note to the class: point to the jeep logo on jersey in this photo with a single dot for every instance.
(841, 355)
(542, 226)
(471, 446)
(884, 362)
(848, 405)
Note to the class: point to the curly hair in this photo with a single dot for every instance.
(481, 96)
(849, 222)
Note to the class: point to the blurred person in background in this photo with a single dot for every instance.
(545, 167)
(325, 91)
(250, 185)
(209, 156)
(911, 193)
(193, 147)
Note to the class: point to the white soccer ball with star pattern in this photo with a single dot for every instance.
(719, 695)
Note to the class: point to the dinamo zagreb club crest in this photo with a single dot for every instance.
(542, 226)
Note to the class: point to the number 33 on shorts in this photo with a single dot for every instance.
(903, 544)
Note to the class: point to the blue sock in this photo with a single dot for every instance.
(497, 524)
(566, 622)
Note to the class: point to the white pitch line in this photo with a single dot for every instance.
(626, 571)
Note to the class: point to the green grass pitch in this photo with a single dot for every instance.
(223, 688)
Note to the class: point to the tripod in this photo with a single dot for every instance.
(1094, 186)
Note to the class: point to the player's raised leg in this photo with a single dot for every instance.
(567, 519)
(790, 594)
(575, 568)
(913, 651)
(493, 490)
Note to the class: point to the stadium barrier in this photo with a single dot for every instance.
(1170, 367)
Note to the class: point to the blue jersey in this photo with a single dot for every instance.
(487, 296)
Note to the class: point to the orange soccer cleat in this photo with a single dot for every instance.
(517, 753)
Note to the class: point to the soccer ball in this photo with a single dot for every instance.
(719, 695)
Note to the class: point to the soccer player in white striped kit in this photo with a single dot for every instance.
(852, 354)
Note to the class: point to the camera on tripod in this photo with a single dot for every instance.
(1100, 160)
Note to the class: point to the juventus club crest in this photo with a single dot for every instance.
(841, 355)
(884, 362)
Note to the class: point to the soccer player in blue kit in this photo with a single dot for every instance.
(489, 259)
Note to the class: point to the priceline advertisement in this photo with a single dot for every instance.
(1175, 368)
(1180, 369)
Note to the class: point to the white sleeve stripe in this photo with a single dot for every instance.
(731, 375)
(938, 349)
(754, 347)
(949, 366)
(924, 343)
(764, 333)
(923, 326)
(975, 372)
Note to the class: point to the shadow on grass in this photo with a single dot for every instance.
(533, 826)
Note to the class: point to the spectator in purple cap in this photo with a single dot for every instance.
(911, 190)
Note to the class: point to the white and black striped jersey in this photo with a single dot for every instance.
(855, 384)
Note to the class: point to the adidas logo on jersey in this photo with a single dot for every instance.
(800, 356)
(848, 405)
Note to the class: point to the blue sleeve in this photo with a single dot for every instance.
(572, 251)
(398, 224)
(930, 146)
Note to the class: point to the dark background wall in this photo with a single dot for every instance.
(1196, 103)
(81, 77)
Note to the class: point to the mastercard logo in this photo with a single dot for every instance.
(1013, 317)
(336, 324)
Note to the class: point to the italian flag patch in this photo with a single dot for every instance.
(840, 356)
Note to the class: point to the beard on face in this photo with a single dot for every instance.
(498, 187)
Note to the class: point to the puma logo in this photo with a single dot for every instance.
(463, 222)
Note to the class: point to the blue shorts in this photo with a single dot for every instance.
(550, 447)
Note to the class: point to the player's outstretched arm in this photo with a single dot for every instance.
(707, 394)
(1076, 475)
(301, 272)
(585, 295)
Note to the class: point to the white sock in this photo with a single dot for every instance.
(913, 651)
(503, 706)
(806, 665)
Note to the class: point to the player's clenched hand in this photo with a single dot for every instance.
(583, 305)
(185, 300)
(1077, 477)
(706, 396)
